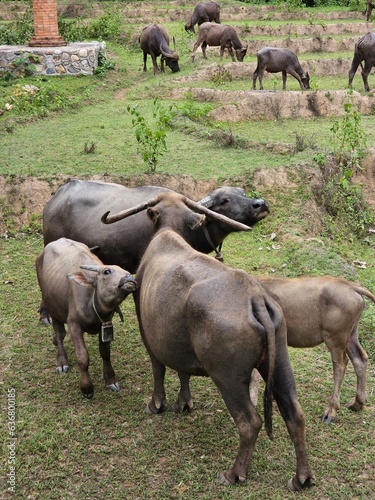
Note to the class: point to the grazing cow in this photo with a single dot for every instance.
(77, 289)
(364, 50)
(219, 35)
(75, 211)
(274, 60)
(200, 317)
(203, 12)
(154, 40)
(334, 307)
(368, 11)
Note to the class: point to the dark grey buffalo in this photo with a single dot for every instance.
(200, 317)
(364, 50)
(154, 40)
(203, 12)
(219, 35)
(77, 289)
(76, 208)
(274, 60)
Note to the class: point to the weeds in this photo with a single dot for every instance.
(151, 137)
(193, 110)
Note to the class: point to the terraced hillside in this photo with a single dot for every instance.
(324, 43)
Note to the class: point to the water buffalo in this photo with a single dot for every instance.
(200, 317)
(274, 60)
(335, 307)
(75, 211)
(203, 12)
(77, 289)
(364, 50)
(219, 35)
(154, 40)
(368, 11)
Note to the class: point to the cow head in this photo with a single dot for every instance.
(177, 212)
(305, 78)
(171, 58)
(241, 53)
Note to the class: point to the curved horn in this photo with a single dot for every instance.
(174, 55)
(213, 215)
(109, 219)
(207, 201)
(90, 268)
(174, 44)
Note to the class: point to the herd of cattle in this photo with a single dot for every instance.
(196, 315)
(154, 40)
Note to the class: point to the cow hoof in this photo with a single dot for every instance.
(326, 418)
(222, 478)
(151, 409)
(355, 406)
(88, 395)
(295, 485)
(187, 408)
(62, 369)
(113, 387)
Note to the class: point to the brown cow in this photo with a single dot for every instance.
(200, 317)
(325, 309)
(77, 289)
(219, 35)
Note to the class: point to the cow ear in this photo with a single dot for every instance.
(154, 214)
(83, 279)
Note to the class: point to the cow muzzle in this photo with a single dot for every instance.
(128, 283)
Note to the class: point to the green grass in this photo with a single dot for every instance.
(108, 447)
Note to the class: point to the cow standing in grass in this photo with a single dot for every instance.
(77, 289)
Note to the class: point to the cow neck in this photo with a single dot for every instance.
(217, 250)
(96, 312)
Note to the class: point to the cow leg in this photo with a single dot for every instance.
(284, 79)
(358, 356)
(184, 401)
(339, 362)
(44, 317)
(158, 400)
(285, 394)
(237, 399)
(260, 76)
(230, 50)
(62, 365)
(154, 64)
(144, 61)
(254, 386)
(162, 64)
(195, 48)
(365, 72)
(255, 76)
(108, 372)
(204, 47)
(76, 334)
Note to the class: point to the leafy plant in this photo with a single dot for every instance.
(151, 136)
(349, 141)
(221, 75)
(194, 110)
(104, 64)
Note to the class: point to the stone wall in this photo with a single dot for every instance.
(78, 58)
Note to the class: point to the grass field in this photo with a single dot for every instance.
(70, 447)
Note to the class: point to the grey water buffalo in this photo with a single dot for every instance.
(203, 12)
(364, 50)
(274, 60)
(78, 290)
(154, 40)
(76, 208)
(200, 317)
(219, 35)
(325, 309)
(368, 11)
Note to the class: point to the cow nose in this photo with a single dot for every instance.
(127, 278)
(260, 204)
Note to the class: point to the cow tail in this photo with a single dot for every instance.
(266, 315)
(363, 291)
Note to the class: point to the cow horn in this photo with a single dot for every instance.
(213, 215)
(174, 55)
(174, 44)
(90, 268)
(207, 201)
(109, 219)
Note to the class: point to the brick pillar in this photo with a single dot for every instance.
(46, 29)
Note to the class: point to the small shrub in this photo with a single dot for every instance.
(151, 137)
(221, 75)
(194, 110)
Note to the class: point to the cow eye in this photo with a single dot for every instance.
(107, 271)
(224, 201)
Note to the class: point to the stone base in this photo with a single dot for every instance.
(77, 58)
(47, 41)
